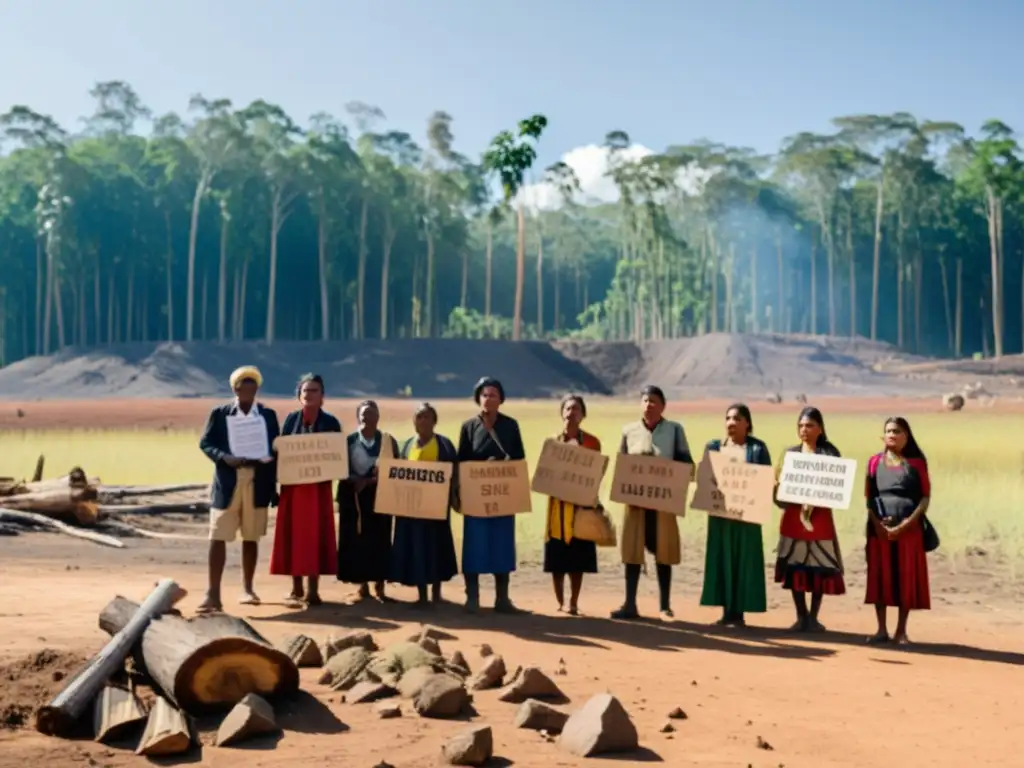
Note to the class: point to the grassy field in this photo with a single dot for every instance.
(977, 476)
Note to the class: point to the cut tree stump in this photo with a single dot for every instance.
(61, 715)
(208, 662)
(168, 731)
(115, 713)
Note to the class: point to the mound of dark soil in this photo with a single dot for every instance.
(31, 682)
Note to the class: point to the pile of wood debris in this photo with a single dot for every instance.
(82, 506)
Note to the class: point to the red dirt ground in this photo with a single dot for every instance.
(825, 701)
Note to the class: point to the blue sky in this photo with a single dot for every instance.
(745, 72)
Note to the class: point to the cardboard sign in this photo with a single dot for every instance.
(494, 488)
(816, 480)
(651, 482)
(417, 489)
(569, 472)
(727, 486)
(312, 458)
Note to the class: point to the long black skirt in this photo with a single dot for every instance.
(578, 556)
(364, 540)
(423, 552)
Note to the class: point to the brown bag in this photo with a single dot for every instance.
(594, 524)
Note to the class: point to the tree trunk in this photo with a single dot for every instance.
(276, 220)
(877, 255)
(730, 309)
(222, 277)
(780, 310)
(205, 177)
(429, 308)
(517, 315)
(241, 302)
(540, 282)
(208, 662)
(40, 294)
(51, 281)
(170, 276)
(62, 713)
(488, 258)
(755, 325)
(947, 310)
(97, 304)
(464, 289)
(992, 206)
(900, 270)
(918, 286)
(710, 243)
(59, 306)
(321, 262)
(852, 255)
(360, 330)
(958, 335)
(558, 292)
(385, 271)
(128, 315)
(204, 303)
(814, 283)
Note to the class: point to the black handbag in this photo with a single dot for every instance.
(930, 535)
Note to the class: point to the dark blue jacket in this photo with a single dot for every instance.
(325, 422)
(214, 443)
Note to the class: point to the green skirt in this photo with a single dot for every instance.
(734, 567)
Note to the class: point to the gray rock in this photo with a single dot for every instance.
(489, 676)
(344, 669)
(336, 643)
(474, 746)
(251, 717)
(367, 692)
(539, 716)
(531, 683)
(601, 726)
(441, 696)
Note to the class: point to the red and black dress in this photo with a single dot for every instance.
(304, 539)
(897, 570)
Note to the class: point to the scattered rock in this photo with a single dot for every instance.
(250, 717)
(430, 645)
(668, 728)
(458, 662)
(485, 651)
(335, 644)
(762, 744)
(600, 727)
(396, 660)
(539, 716)
(561, 670)
(677, 714)
(342, 670)
(473, 746)
(490, 675)
(302, 650)
(387, 710)
(953, 401)
(367, 692)
(773, 397)
(442, 695)
(413, 680)
(383, 764)
(531, 684)
(434, 633)
(802, 398)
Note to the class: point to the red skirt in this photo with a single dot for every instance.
(898, 571)
(304, 538)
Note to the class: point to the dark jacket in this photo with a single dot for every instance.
(325, 422)
(214, 443)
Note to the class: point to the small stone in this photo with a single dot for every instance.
(668, 728)
(539, 716)
(678, 714)
(485, 651)
(367, 692)
(490, 675)
(762, 744)
(458, 662)
(386, 710)
(474, 746)
(430, 645)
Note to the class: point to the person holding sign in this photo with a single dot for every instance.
(237, 439)
(489, 543)
(734, 559)
(655, 531)
(364, 537)
(304, 543)
(809, 559)
(423, 552)
(898, 491)
(563, 552)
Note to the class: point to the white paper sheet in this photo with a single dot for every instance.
(247, 437)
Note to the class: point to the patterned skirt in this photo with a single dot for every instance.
(809, 560)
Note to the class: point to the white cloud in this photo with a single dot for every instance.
(590, 164)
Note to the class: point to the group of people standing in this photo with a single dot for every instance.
(374, 549)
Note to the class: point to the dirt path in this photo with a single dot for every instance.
(818, 701)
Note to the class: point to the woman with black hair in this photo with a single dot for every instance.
(364, 535)
(304, 531)
(809, 559)
(489, 543)
(898, 492)
(423, 552)
(651, 530)
(734, 559)
(564, 554)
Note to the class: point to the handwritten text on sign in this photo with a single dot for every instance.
(569, 472)
(651, 482)
(494, 488)
(417, 489)
(315, 458)
(816, 480)
(729, 487)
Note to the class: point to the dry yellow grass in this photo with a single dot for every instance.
(978, 479)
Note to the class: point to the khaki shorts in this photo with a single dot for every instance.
(242, 515)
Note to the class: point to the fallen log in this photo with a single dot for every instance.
(70, 505)
(61, 715)
(127, 491)
(31, 518)
(169, 508)
(208, 662)
(134, 530)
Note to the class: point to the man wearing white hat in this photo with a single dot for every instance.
(239, 439)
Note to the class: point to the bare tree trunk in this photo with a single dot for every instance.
(558, 291)
(852, 255)
(464, 289)
(947, 310)
(814, 283)
(755, 320)
(385, 271)
(958, 336)
(730, 309)
(59, 307)
(992, 209)
(203, 327)
(131, 302)
(276, 221)
(51, 281)
(488, 257)
(779, 312)
(709, 241)
(79, 313)
(97, 304)
(517, 316)
(144, 313)
(429, 308)
(205, 178)
(111, 293)
(877, 256)
(360, 313)
(170, 276)
(900, 270)
(40, 286)
(540, 282)
(241, 301)
(222, 276)
(918, 285)
(321, 263)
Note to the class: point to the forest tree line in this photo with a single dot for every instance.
(235, 222)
